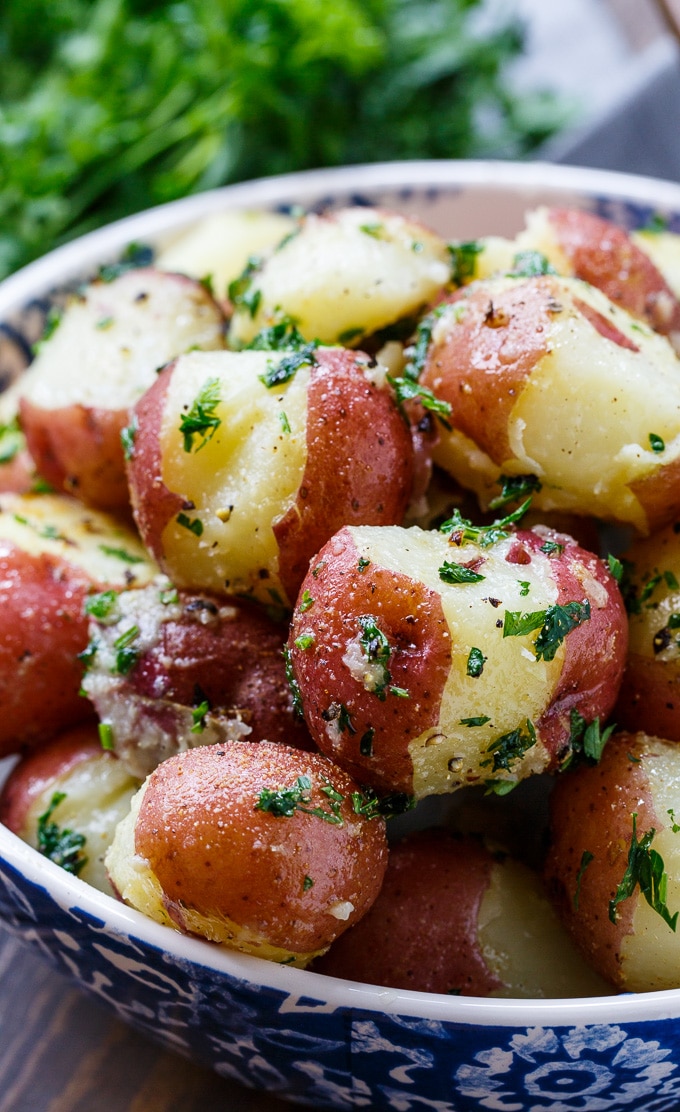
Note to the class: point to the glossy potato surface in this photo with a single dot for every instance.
(420, 685)
(516, 358)
(174, 669)
(259, 847)
(242, 508)
(607, 822)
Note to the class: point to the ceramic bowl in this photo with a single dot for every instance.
(324, 1042)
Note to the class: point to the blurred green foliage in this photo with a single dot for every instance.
(110, 106)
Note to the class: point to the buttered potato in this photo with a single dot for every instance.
(66, 799)
(342, 276)
(263, 848)
(104, 353)
(457, 916)
(168, 670)
(244, 463)
(547, 378)
(426, 661)
(614, 861)
(53, 553)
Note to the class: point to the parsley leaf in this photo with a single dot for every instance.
(201, 420)
(645, 868)
(64, 847)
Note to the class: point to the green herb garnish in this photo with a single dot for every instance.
(554, 625)
(451, 572)
(64, 847)
(514, 487)
(287, 367)
(201, 420)
(645, 869)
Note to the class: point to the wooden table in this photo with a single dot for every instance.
(61, 1051)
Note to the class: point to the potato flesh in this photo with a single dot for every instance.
(221, 245)
(97, 543)
(97, 797)
(353, 272)
(524, 943)
(111, 341)
(650, 954)
(451, 753)
(663, 248)
(239, 484)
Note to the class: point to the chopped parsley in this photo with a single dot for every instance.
(586, 739)
(656, 443)
(376, 648)
(464, 260)
(198, 715)
(475, 663)
(480, 720)
(102, 606)
(64, 847)
(292, 682)
(363, 563)
(241, 292)
(514, 487)
(287, 367)
(284, 802)
(194, 526)
(510, 747)
(304, 641)
(586, 858)
(460, 529)
(127, 438)
(285, 423)
(552, 548)
(405, 389)
(645, 869)
(306, 602)
(282, 336)
(105, 731)
(531, 264)
(126, 655)
(120, 554)
(366, 742)
(451, 572)
(201, 420)
(554, 625)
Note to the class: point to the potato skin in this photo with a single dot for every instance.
(421, 933)
(359, 467)
(192, 648)
(378, 739)
(649, 699)
(592, 810)
(604, 255)
(213, 850)
(78, 449)
(39, 668)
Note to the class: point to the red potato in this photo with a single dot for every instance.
(613, 835)
(263, 848)
(604, 255)
(72, 785)
(242, 506)
(650, 694)
(454, 916)
(53, 553)
(194, 669)
(424, 663)
(515, 358)
(74, 400)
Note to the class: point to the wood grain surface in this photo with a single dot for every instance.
(61, 1051)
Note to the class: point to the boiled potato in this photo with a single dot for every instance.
(220, 246)
(169, 670)
(427, 661)
(53, 554)
(457, 916)
(650, 694)
(245, 463)
(105, 352)
(663, 248)
(614, 861)
(342, 276)
(548, 378)
(263, 848)
(66, 800)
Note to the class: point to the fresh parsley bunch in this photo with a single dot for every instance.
(109, 106)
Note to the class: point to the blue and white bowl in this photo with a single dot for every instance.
(325, 1042)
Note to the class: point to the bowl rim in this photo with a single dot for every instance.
(325, 993)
